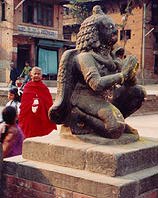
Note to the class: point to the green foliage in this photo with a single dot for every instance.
(82, 9)
(80, 12)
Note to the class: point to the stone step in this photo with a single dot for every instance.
(80, 181)
(111, 157)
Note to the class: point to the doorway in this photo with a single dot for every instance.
(22, 55)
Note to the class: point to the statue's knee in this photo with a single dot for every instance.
(113, 122)
(140, 92)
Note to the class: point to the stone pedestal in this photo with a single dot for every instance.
(85, 166)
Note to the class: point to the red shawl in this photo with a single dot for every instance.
(38, 123)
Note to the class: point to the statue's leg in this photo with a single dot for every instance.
(128, 99)
(100, 116)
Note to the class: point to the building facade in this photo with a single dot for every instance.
(138, 31)
(31, 31)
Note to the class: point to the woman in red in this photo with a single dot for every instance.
(35, 103)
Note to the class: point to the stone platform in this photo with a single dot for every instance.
(84, 167)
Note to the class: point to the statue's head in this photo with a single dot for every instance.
(97, 30)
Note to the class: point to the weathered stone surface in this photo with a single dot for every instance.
(97, 88)
(111, 160)
(66, 133)
(82, 181)
(54, 151)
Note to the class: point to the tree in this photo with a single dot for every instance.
(81, 9)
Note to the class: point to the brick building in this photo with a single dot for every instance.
(138, 34)
(33, 31)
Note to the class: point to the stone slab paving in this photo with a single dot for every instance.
(147, 125)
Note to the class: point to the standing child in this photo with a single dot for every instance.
(13, 75)
(25, 73)
(35, 103)
(14, 99)
(11, 135)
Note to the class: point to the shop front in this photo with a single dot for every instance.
(47, 57)
(40, 47)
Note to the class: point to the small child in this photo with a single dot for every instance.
(11, 135)
(25, 73)
(14, 99)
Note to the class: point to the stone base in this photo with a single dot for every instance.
(26, 177)
(60, 165)
(80, 152)
(65, 133)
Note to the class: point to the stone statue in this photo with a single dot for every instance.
(95, 90)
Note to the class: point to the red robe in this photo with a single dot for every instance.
(35, 123)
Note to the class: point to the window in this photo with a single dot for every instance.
(125, 34)
(156, 37)
(45, 57)
(154, 12)
(156, 64)
(155, 44)
(3, 10)
(125, 7)
(37, 13)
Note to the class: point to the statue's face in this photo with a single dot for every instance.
(108, 33)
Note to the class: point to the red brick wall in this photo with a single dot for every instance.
(13, 187)
(57, 25)
(150, 194)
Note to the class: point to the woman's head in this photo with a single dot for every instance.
(36, 74)
(13, 94)
(97, 30)
(9, 115)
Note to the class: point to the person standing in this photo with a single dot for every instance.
(14, 99)
(35, 103)
(13, 75)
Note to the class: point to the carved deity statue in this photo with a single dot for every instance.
(95, 90)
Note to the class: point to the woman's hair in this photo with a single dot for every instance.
(36, 68)
(9, 115)
(16, 94)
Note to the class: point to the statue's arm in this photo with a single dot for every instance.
(129, 70)
(92, 77)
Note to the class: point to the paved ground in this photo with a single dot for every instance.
(147, 125)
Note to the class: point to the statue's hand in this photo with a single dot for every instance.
(130, 68)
